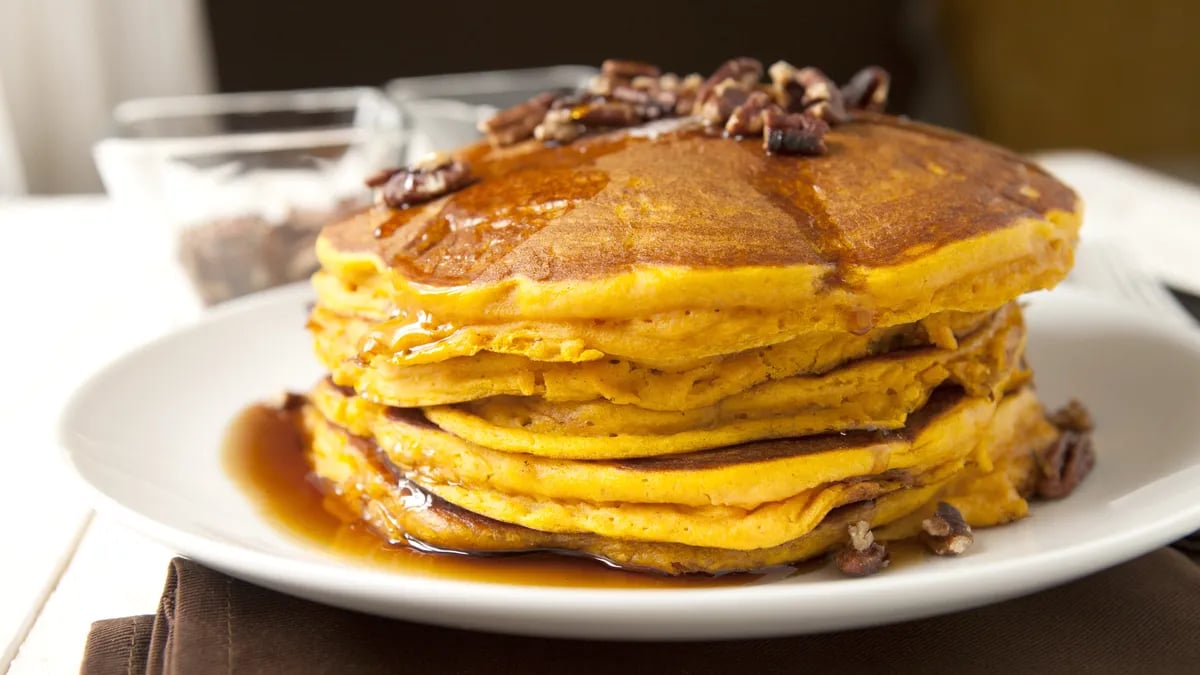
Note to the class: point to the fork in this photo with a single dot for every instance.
(1109, 267)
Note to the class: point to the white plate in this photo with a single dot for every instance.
(145, 435)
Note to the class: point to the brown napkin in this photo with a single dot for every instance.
(1143, 616)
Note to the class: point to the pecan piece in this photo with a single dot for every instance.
(868, 89)
(288, 401)
(788, 89)
(423, 182)
(793, 133)
(606, 114)
(722, 100)
(1072, 417)
(380, 177)
(822, 98)
(627, 93)
(649, 95)
(743, 70)
(747, 118)
(600, 85)
(862, 555)
(558, 125)
(1064, 464)
(621, 69)
(518, 122)
(945, 532)
(686, 92)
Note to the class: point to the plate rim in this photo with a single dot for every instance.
(1006, 578)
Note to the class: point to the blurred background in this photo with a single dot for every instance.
(1117, 76)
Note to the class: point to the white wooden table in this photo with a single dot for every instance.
(82, 284)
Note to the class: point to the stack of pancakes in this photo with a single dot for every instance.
(665, 349)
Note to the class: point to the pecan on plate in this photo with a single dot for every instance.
(1064, 464)
(1072, 417)
(945, 532)
(862, 555)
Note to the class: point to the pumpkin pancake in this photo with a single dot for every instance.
(701, 335)
(745, 475)
(876, 393)
(898, 221)
(486, 373)
(956, 430)
(357, 472)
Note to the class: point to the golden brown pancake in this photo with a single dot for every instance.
(664, 348)
(361, 475)
(877, 393)
(620, 380)
(898, 221)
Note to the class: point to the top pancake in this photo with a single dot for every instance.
(669, 216)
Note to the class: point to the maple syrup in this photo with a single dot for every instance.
(264, 454)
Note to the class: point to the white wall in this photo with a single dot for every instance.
(64, 64)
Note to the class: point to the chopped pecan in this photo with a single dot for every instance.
(600, 85)
(416, 184)
(868, 89)
(288, 401)
(788, 89)
(793, 133)
(518, 122)
(742, 70)
(747, 118)
(606, 114)
(559, 126)
(666, 82)
(822, 98)
(945, 532)
(722, 100)
(650, 97)
(627, 93)
(621, 69)
(647, 83)
(685, 94)
(575, 100)
(380, 177)
(1064, 464)
(862, 555)
(1072, 417)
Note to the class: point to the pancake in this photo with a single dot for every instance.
(746, 475)
(484, 374)
(680, 345)
(956, 430)
(876, 393)
(361, 476)
(898, 221)
(673, 340)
